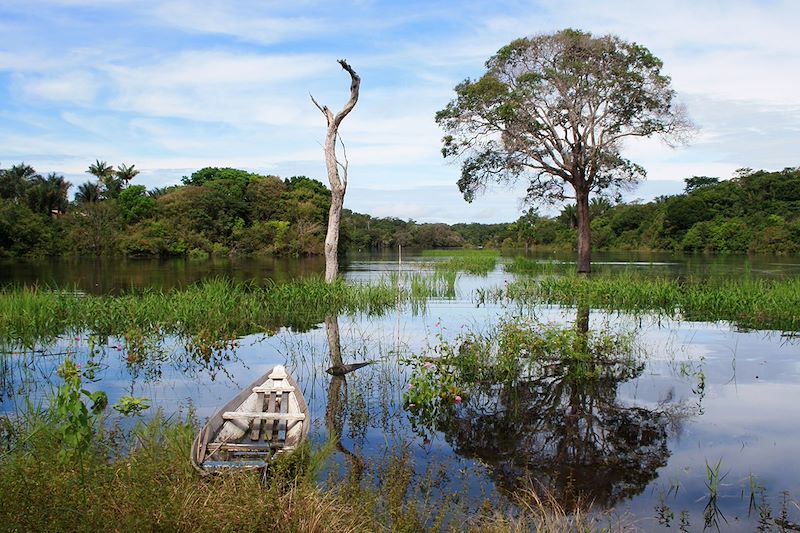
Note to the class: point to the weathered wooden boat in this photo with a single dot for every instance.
(268, 417)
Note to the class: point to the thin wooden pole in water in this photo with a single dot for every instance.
(399, 273)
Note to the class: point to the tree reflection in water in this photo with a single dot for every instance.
(558, 423)
(337, 397)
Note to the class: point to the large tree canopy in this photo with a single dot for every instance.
(554, 110)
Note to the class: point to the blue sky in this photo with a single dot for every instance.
(173, 86)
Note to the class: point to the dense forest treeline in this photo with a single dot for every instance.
(225, 211)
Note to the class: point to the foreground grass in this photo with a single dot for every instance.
(142, 481)
(748, 303)
(153, 487)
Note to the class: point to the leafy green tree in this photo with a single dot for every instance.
(93, 229)
(158, 192)
(134, 203)
(682, 212)
(598, 207)
(207, 174)
(697, 238)
(696, 182)
(24, 232)
(265, 199)
(436, 236)
(569, 216)
(306, 199)
(553, 110)
(525, 228)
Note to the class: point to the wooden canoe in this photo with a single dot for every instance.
(268, 417)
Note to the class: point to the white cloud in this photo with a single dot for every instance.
(170, 87)
(74, 87)
(242, 22)
(219, 86)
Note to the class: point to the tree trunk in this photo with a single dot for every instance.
(332, 235)
(332, 165)
(337, 399)
(584, 232)
(334, 344)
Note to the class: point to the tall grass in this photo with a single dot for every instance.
(477, 262)
(34, 316)
(748, 303)
(142, 480)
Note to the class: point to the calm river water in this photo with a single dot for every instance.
(707, 397)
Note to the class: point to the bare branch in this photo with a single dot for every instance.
(346, 164)
(317, 104)
(355, 85)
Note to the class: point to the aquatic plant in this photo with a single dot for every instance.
(479, 364)
(35, 316)
(747, 303)
(477, 262)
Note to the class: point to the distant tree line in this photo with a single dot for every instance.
(225, 211)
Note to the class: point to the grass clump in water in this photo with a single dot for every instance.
(477, 262)
(747, 303)
(33, 316)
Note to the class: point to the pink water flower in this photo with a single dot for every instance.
(77, 339)
(458, 399)
(428, 365)
(426, 442)
(410, 386)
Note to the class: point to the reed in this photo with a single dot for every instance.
(31, 317)
(747, 303)
(476, 262)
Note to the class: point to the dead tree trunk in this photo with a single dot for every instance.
(338, 181)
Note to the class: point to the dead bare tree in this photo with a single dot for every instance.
(338, 181)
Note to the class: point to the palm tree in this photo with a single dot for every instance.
(569, 216)
(48, 195)
(106, 175)
(598, 206)
(14, 182)
(88, 192)
(101, 170)
(126, 173)
(157, 192)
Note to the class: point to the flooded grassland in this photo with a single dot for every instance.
(655, 395)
